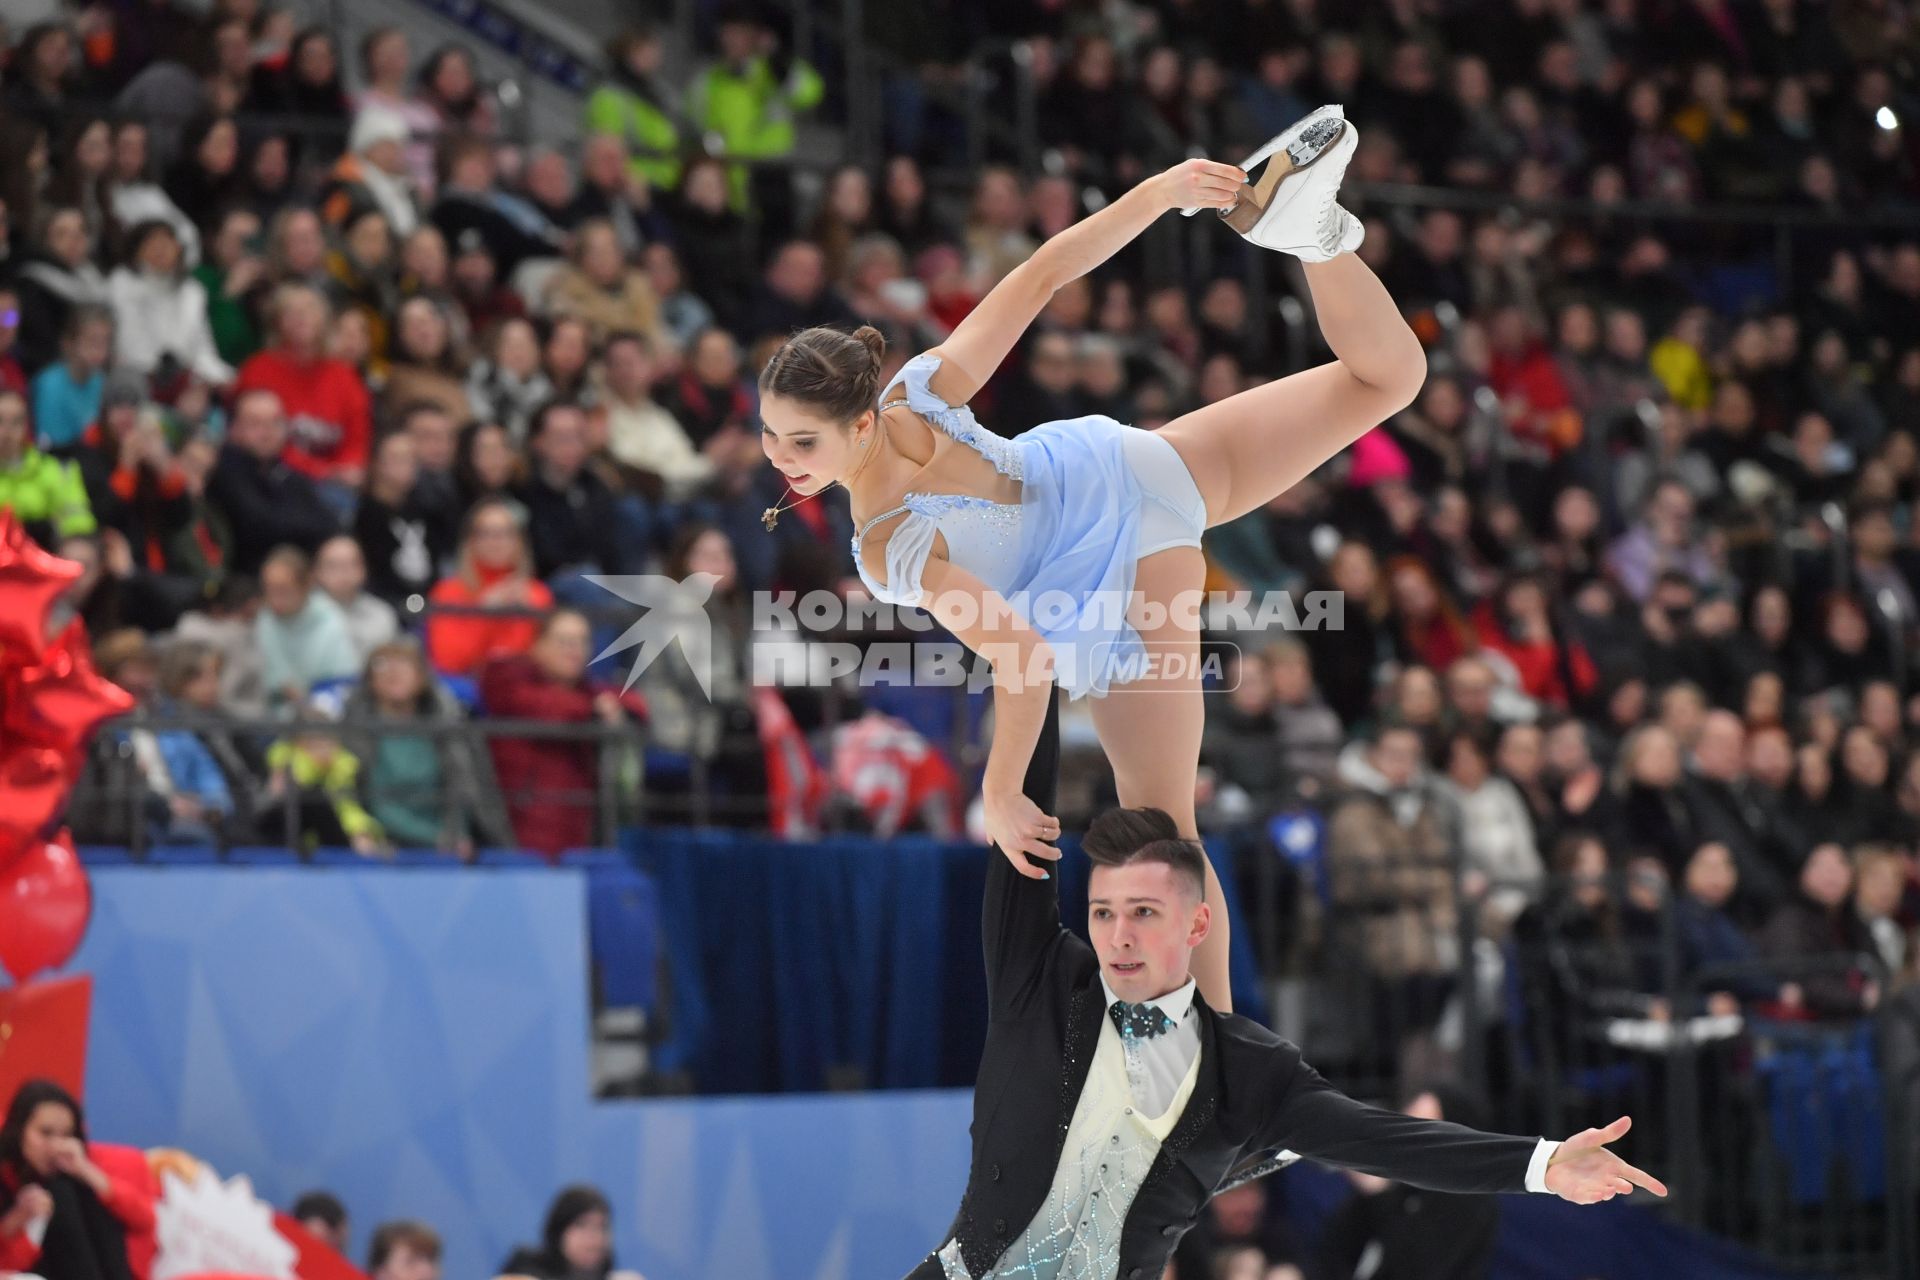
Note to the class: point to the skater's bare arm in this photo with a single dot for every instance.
(976, 347)
(1022, 664)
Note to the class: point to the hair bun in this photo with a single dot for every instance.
(873, 340)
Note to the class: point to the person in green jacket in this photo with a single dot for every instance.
(640, 108)
(748, 100)
(44, 493)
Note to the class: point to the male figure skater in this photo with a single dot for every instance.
(1112, 1102)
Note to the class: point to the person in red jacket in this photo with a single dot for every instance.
(327, 405)
(552, 784)
(1517, 622)
(495, 572)
(62, 1215)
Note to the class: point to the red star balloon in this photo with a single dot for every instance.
(44, 905)
(33, 787)
(59, 701)
(30, 581)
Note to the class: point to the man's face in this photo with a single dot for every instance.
(1145, 920)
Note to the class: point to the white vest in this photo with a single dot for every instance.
(1108, 1150)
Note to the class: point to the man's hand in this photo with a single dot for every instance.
(1585, 1172)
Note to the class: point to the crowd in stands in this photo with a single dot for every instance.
(337, 390)
(76, 1208)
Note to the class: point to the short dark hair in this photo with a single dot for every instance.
(323, 1205)
(417, 1237)
(1122, 837)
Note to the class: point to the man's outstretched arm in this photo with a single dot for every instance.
(1321, 1123)
(1020, 917)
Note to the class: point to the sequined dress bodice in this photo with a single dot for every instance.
(1109, 1147)
(982, 535)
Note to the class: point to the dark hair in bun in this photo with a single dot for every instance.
(835, 374)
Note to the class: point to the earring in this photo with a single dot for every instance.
(863, 441)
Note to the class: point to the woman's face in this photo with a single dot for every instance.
(93, 151)
(905, 188)
(1711, 877)
(587, 1241)
(705, 188)
(220, 150)
(1590, 875)
(1413, 593)
(1354, 571)
(160, 253)
(272, 166)
(518, 349)
(494, 540)
(811, 452)
(369, 242)
(562, 651)
(130, 152)
(67, 238)
(425, 258)
(567, 352)
(49, 1126)
(712, 553)
(716, 360)
(1419, 700)
(314, 62)
(453, 78)
(1766, 699)
(1466, 766)
(1520, 753)
(1771, 616)
(390, 57)
(340, 569)
(1656, 763)
(237, 233)
(493, 457)
(423, 331)
(283, 590)
(396, 467)
(600, 256)
(303, 318)
(1847, 628)
(852, 197)
(397, 681)
(1864, 758)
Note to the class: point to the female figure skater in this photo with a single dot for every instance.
(1072, 552)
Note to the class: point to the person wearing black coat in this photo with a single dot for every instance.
(577, 1243)
(267, 502)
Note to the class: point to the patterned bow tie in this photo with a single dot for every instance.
(1139, 1021)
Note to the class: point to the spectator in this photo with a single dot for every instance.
(488, 465)
(1711, 943)
(321, 1213)
(268, 502)
(386, 61)
(714, 241)
(208, 176)
(1663, 539)
(600, 289)
(1502, 873)
(1238, 750)
(1309, 731)
(748, 100)
(1389, 857)
(189, 799)
(699, 699)
(436, 446)
(362, 282)
(315, 782)
(1882, 875)
(642, 437)
(44, 493)
(710, 399)
(577, 1243)
(448, 84)
(641, 107)
(428, 368)
(511, 229)
(302, 633)
(795, 294)
(1392, 1231)
(425, 788)
(571, 520)
(609, 189)
(226, 625)
(327, 403)
(495, 573)
(507, 385)
(340, 571)
(66, 394)
(402, 547)
(1814, 935)
(12, 377)
(61, 1214)
(373, 174)
(233, 281)
(403, 1250)
(161, 327)
(550, 784)
(306, 83)
(41, 71)
(1518, 624)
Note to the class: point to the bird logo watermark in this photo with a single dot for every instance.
(673, 612)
